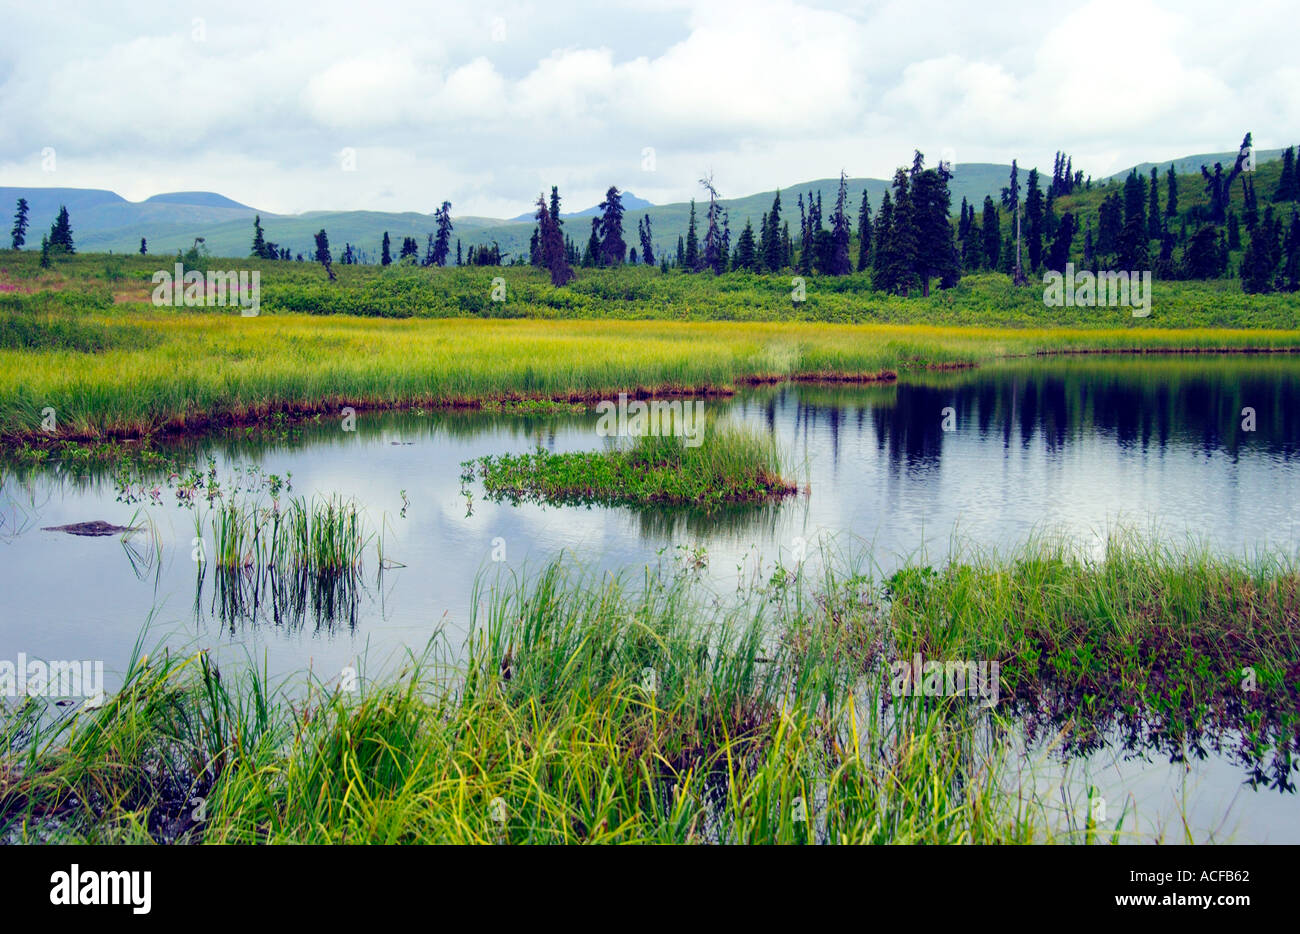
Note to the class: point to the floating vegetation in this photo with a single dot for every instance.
(728, 464)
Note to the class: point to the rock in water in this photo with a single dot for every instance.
(94, 529)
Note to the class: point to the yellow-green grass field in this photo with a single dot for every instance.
(161, 369)
(83, 339)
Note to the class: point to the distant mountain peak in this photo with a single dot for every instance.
(630, 203)
(206, 199)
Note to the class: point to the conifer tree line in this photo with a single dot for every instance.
(437, 248)
(1139, 225)
(911, 243)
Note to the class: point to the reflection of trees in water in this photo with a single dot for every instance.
(1139, 403)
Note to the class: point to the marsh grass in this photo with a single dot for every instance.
(723, 464)
(1180, 648)
(203, 369)
(305, 560)
(609, 709)
(320, 536)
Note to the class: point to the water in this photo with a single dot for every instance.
(1077, 446)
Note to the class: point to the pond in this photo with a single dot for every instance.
(1188, 448)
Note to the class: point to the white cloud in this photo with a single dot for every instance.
(439, 105)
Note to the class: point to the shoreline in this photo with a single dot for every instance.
(227, 413)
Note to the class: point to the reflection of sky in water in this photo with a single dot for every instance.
(1074, 448)
(1077, 447)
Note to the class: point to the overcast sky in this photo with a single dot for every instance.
(397, 106)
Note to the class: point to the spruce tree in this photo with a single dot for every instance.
(61, 233)
(1059, 254)
(555, 208)
(714, 256)
(936, 253)
(1154, 228)
(386, 251)
(259, 241)
(1250, 206)
(1202, 258)
(1133, 247)
(1171, 195)
(864, 232)
(1287, 187)
(144, 247)
(1259, 264)
(991, 228)
(442, 239)
(45, 251)
(1033, 220)
(19, 234)
(839, 263)
(692, 257)
(553, 246)
(1110, 221)
(609, 229)
(902, 255)
(1291, 269)
(323, 253)
(1011, 201)
(972, 245)
(774, 250)
(646, 236)
(880, 263)
(591, 255)
(746, 258)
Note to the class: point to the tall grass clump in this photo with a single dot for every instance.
(306, 557)
(318, 537)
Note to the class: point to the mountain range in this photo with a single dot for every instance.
(103, 221)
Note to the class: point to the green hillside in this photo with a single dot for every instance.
(1192, 164)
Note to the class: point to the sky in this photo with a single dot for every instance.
(397, 106)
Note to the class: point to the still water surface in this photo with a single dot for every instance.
(1077, 446)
